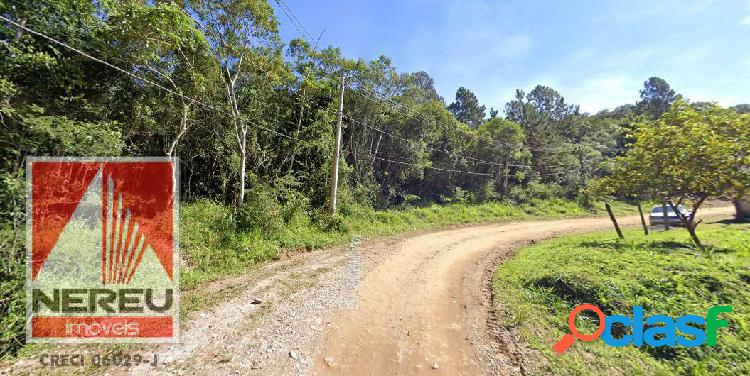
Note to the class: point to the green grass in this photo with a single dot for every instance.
(214, 248)
(214, 245)
(663, 272)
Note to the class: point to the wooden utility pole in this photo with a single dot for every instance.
(336, 153)
(612, 218)
(582, 170)
(643, 220)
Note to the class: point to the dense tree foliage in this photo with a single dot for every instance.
(656, 97)
(687, 156)
(251, 118)
(466, 108)
(212, 83)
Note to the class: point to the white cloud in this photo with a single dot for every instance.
(481, 45)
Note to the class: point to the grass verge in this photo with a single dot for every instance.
(215, 245)
(662, 272)
(214, 248)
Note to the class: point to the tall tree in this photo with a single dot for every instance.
(546, 119)
(493, 113)
(244, 38)
(466, 108)
(656, 97)
(741, 108)
(685, 157)
(505, 149)
(420, 87)
(165, 44)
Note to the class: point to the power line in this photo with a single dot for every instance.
(413, 164)
(390, 134)
(305, 35)
(375, 96)
(195, 101)
(133, 75)
(431, 167)
(156, 84)
(297, 23)
(450, 153)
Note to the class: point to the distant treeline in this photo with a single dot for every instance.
(252, 121)
(213, 84)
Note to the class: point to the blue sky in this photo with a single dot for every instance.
(595, 53)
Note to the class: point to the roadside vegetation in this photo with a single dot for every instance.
(251, 118)
(218, 242)
(664, 272)
(686, 157)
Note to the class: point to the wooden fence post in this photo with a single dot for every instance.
(643, 221)
(614, 220)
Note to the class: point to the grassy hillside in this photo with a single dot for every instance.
(661, 272)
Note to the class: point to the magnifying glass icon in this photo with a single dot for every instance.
(569, 339)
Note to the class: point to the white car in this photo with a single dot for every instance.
(657, 215)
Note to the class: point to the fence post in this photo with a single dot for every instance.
(614, 220)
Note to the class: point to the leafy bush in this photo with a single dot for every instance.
(12, 296)
(206, 223)
(261, 211)
(12, 314)
(535, 190)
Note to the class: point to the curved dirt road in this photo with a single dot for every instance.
(424, 308)
(417, 313)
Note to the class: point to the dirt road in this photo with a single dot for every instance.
(424, 307)
(419, 315)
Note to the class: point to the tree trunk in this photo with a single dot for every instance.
(502, 179)
(689, 221)
(581, 165)
(664, 214)
(16, 235)
(643, 221)
(19, 31)
(613, 219)
(691, 229)
(299, 126)
(172, 151)
(243, 165)
(375, 153)
(240, 128)
(740, 213)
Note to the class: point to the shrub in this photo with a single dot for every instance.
(205, 223)
(12, 299)
(535, 190)
(261, 211)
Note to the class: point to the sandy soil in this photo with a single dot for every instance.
(419, 316)
(414, 304)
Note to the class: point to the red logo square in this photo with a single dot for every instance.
(103, 252)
